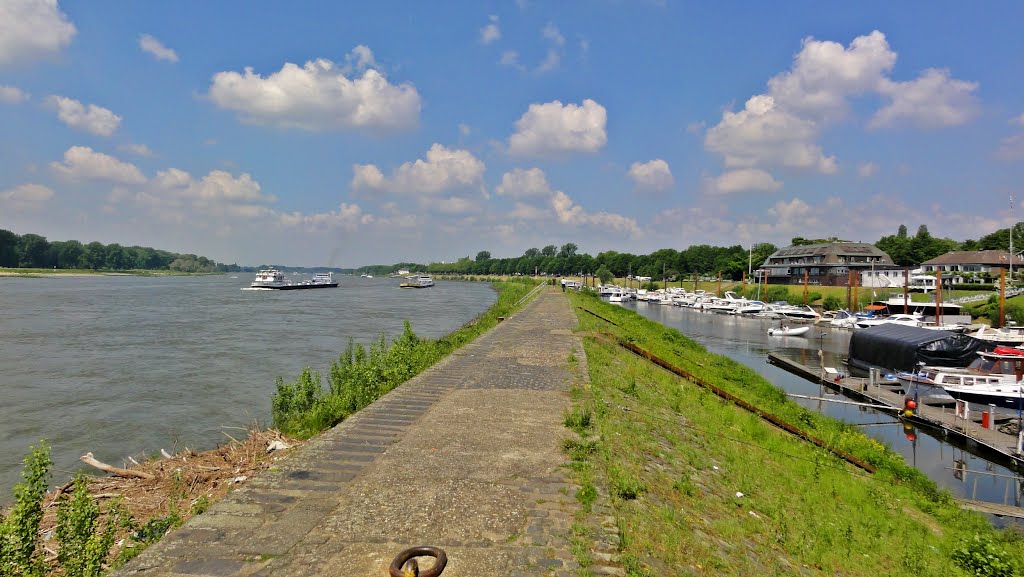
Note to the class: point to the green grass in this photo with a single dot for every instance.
(701, 487)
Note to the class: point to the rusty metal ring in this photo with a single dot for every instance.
(395, 570)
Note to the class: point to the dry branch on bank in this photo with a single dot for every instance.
(155, 488)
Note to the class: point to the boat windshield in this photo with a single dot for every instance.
(996, 366)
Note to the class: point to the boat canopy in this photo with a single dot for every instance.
(895, 347)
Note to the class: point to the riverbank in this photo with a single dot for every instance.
(701, 486)
(57, 273)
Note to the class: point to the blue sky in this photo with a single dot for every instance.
(342, 134)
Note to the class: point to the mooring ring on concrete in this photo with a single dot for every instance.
(409, 556)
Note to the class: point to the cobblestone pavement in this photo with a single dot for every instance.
(466, 456)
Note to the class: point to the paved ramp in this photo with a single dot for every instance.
(466, 456)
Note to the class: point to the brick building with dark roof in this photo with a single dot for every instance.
(826, 264)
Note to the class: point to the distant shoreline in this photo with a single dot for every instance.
(36, 273)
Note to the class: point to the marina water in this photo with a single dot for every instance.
(125, 366)
(746, 340)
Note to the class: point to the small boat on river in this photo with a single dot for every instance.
(785, 331)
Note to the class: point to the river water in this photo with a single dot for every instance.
(746, 341)
(125, 366)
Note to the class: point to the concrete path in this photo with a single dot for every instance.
(466, 456)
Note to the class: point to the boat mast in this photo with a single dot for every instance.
(1011, 238)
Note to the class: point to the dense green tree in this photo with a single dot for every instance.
(1000, 239)
(8, 249)
(568, 250)
(531, 252)
(117, 257)
(604, 274)
(549, 250)
(67, 254)
(34, 251)
(95, 256)
(483, 256)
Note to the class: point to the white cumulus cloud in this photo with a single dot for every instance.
(348, 217)
(1018, 120)
(490, 33)
(317, 96)
(444, 169)
(175, 195)
(12, 95)
(742, 180)
(91, 118)
(152, 46)
(763, 133)
(570, 213)
(28, 196)
(556, 43)
(930, 101)
(520, 183)
(825, 74)
(867, 169)
(83, 163)
(781, 127)
(651, 175)
(31, 29)
(556, 128)
(510, 58)
(794, 214)
(137, 149)
(361, 58)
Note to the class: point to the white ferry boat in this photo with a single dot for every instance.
(417, 281)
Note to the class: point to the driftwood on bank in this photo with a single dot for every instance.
(88, 459)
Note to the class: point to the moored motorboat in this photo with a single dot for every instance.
(994, 378)
(785, 331)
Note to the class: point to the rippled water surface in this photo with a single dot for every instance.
(122, 365)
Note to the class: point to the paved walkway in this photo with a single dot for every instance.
(466, 456)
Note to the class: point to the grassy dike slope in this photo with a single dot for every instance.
(699, 486)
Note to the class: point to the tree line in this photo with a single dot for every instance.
(670, 264)
(34, 251)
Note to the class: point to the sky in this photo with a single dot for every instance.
(346, 134)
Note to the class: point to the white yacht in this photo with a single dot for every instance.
(913, 320)
(993, 378)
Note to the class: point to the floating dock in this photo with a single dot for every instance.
(940, 420)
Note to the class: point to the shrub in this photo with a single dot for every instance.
(983, 557)
(831, 303)
(19, 556)
(84, 546)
